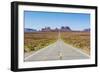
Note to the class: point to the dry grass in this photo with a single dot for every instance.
(37, 40)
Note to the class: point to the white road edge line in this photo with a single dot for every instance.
(39, 51)
(77, 49)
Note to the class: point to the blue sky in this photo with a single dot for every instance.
(37, 20)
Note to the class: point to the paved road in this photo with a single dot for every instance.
(57, 51)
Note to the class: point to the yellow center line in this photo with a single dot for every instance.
(60, 55)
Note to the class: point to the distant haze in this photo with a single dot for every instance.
(38, 20)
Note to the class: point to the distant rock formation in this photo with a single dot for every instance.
(87, 30)
(46, 29)
(29, 30)
(66, 28)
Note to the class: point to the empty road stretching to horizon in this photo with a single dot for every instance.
(57, 51)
